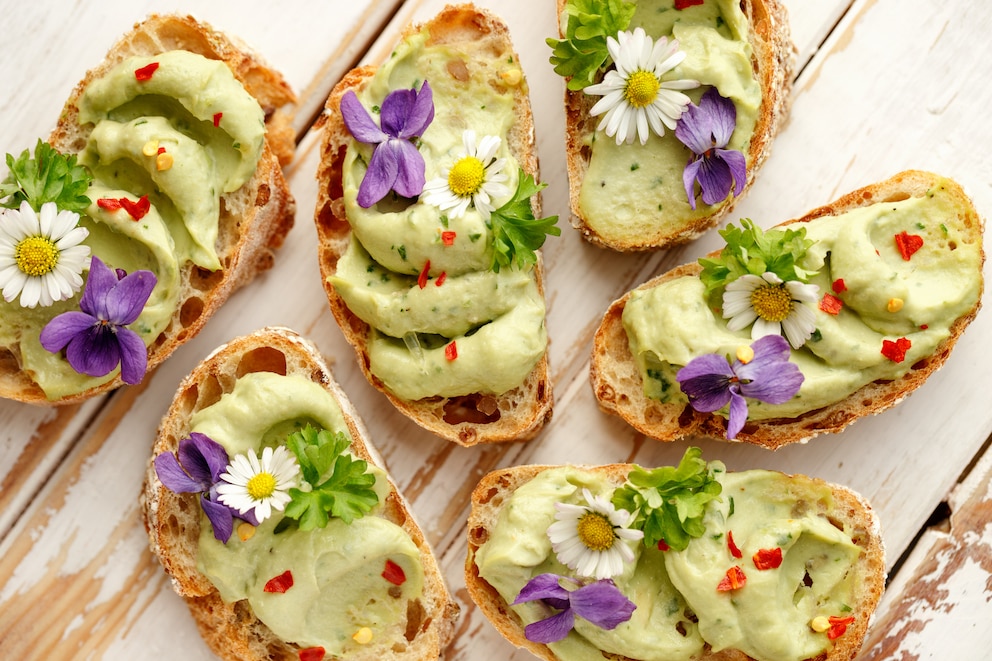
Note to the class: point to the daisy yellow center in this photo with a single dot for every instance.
(261, 486)
(641, 89)
(596, 531)
(36, 256)
(772, 302)
(465, 178)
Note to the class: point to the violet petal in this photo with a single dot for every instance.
(380, 176)
(358, 121)
(94, 352)
(212, 452)
(395, 109)
(542, 586)
(769, 376)
(127, 298)
(171, 474)
(715, 180)
(602, 604)
(707, 392)
(721, 116)
(410, 177)
(738, 167)
(60, 330)
(738, 413)
(98, 282)
(709, 363)
(552, 629)
(421, 114)
(694, 130)
(194, 463)
(133, 356)
(689, 180)
(220, 517)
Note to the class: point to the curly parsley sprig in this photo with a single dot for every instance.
(517, 233)
(347, 493)
(583, 50)
(47, 177)
(669, 502)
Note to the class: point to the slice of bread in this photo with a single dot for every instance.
(254, 219)
(618, 385)
(773, 55)
(173, 520)
(848, 511)
(468, 419)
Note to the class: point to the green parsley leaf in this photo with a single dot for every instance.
(347, 493)
(750, 250)
(669, 502)
(48, 177)
(583, 50)
(517, 234)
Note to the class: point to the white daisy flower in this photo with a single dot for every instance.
(635, 99)
(773, 306)
(250, 483)
(41, 255)
(476, 178)
(589, 539)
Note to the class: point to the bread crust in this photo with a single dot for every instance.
(773, 60)
(254, 219)
(617, 383)
(172, 520)
(468, 420)
(850, 509)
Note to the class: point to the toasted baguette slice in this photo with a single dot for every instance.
(849, 511)
(254, 219)
(173, 520)
(773, 55)
(471, 419)
(617, 382)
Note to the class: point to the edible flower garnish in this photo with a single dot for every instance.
(200, 462)
(771, 307)
(711, 381)
(750, 250)
(476, 178)
(516, 232)
(95, 337)
(670, 501)
(259, 485)
(589, 539)
(600, 602)
(583, 51)
(41, 255)
(635, 98)
(396, 163)
(48, 176)
(706, 129)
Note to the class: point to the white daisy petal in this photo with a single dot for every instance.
(277, 472)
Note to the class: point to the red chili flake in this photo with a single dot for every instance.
(422, 278)
(161, 150)
(908, 244)
(109, 203)
(662, 546)
(136, 210)
(734, 551)
(217, 116)
(280, 583)
(896, 351)
(924, 326)
(312, 654)
(838, 625)
(441, 278)
(735, 579)
(145, 72)
(451, 351)
(831, 304)
(448, 238)
(682, 4)
(394, 573)
(839, 286)
(767, 558)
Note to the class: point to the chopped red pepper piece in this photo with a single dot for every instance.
(145, 72)
(280, 583)
(663, 546)
(448, 238)
(767, 558)
(136, 210)
(838, 625)
(441, 278)
(682, 4)
(109, 203)
(734, 580)
(423, 277)
(312, 654)
(924, 326)
(161, 150)
(908, 244)
(394, 573)
(896, 351)
(734, 551)
(839, 286)
(831, 304)
(217, 116)
(451, 351)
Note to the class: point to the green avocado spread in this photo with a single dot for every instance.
(441, 322)
(337, 571)
(184, 136)
(634, 190)
(885, 298)
(678, 606)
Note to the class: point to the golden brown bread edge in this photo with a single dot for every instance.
(849, 509)
(466, 420)
(773, 55)
(254, 219)
(172, 520)
(617, 383)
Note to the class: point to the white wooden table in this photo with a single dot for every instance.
(883, 85)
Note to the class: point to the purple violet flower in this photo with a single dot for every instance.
(396, 163)
(200, 462)
(600, 602)
(706, 130)
(95, 339)
(710, 380)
